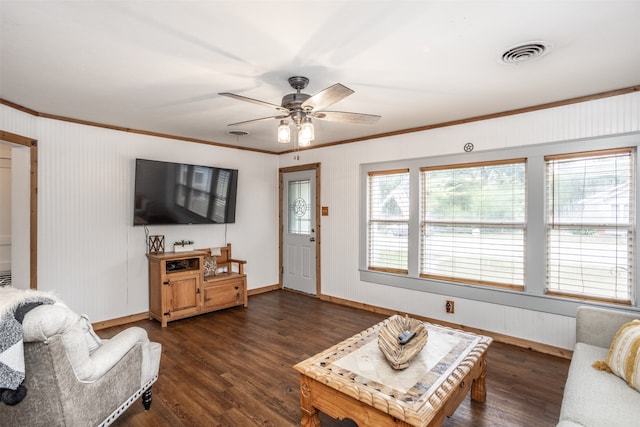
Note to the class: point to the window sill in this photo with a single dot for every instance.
(502, 296)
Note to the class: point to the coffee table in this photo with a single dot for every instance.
(353, 380)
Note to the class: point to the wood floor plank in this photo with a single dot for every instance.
(234, 368)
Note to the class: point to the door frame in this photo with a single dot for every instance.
(33, 210)
(308, 167)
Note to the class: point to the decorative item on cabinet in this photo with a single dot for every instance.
(156, 244)
(183, 246)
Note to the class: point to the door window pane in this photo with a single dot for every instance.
(299, 216)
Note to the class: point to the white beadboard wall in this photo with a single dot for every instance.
(15, 121)
(89, 253)
(340, 192)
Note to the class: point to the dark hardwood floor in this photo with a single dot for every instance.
(234, 368)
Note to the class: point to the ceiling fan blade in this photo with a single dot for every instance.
(259, 120)
(255, 101)
(326, 97)
(340, 116)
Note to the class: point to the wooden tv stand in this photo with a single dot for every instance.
(179, 289)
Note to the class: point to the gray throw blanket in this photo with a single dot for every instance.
(14, 304)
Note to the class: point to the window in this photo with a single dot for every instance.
(473, 223)
(388, 220)
(590, 224)
(544, 227)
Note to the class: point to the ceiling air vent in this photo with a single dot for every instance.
(527, 51)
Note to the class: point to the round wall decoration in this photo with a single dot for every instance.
(468, 147)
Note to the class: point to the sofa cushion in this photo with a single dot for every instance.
(624, 354)
(597, 398)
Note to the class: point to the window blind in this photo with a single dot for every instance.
(473, 223)
(590, 224)
(388, 220)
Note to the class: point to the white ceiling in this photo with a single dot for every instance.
(158, 66)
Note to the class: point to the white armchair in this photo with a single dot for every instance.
(73, 378)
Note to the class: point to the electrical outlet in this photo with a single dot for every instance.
(449, 307)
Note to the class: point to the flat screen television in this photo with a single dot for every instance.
(178, 193)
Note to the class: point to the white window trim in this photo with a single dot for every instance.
(533, 297)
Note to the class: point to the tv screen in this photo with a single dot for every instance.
(178, 193)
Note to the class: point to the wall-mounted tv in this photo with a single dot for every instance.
(178, 193)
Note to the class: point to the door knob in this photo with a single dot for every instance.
(312, 239)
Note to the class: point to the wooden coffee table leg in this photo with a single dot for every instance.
(478, 388)
(310, 417)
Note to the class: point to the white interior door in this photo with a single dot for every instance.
(299, 233)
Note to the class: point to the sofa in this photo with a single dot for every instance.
(592, 397)
(72, 377)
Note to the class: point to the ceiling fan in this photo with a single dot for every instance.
(301, 108)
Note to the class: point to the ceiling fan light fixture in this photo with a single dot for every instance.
(284, 132)
(300, 107)
(303, 140)
(307, 130)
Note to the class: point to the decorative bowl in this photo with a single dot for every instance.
(399, 356)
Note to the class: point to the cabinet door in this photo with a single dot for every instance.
(223, 295)
(181, 295)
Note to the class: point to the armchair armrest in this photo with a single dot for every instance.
(240, 264)
(113, 350)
